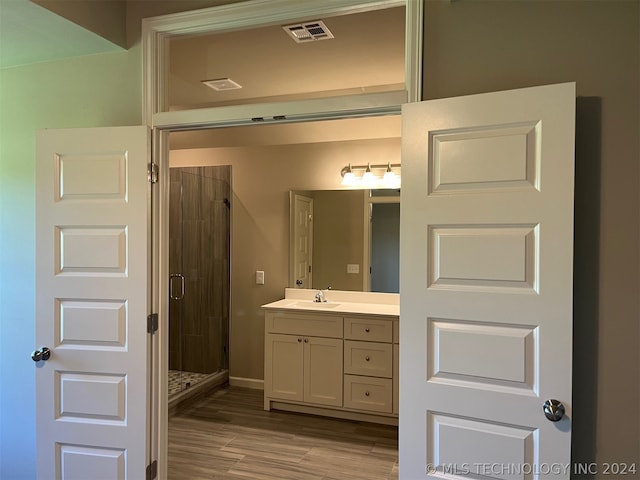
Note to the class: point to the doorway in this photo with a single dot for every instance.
(350, 104)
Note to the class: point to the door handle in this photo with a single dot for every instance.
(553, 410)
(172, 277)
(43, 353)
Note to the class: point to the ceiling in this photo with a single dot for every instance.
(30, 33)
(365, 55)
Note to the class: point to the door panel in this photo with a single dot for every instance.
(486, 300)
(92, 274)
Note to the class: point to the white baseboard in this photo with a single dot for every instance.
(246, 382)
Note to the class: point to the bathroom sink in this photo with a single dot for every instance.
(322, 305)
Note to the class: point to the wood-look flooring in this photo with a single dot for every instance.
(228, 435)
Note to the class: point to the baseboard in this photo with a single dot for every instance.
(254, 383)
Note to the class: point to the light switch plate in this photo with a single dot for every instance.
(259, 277)
(353, 268)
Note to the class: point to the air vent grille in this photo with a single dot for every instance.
(308, 31)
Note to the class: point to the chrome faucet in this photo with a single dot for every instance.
(320, 298)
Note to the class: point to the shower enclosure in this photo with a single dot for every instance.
(199, 253)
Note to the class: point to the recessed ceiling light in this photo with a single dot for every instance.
(222, 84)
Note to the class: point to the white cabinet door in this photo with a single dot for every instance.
(92, 297)
(283, 367)
(486, 283)
(323, 371)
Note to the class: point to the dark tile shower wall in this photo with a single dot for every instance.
(199, 246)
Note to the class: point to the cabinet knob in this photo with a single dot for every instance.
(299, 340)
(366, 394)
(367, 358)
(366, 329)
(306, 340)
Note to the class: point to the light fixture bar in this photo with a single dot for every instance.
(386, 179)
(385, 166)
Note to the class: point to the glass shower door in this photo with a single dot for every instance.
(199, 244)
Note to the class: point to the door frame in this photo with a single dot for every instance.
(156, 32)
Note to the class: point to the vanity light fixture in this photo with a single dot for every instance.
(388, 176)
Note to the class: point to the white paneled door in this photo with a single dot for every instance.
(92, 275)
(486, 284)
(303, 240)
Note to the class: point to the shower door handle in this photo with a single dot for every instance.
(172, 295)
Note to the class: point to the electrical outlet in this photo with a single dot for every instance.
(353, 268)
(259, 277)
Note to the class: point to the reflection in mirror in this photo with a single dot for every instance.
(345, 239)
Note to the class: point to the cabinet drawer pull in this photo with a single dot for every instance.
(367, 358)
(366, 394)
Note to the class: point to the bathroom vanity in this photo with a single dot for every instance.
(336, 358)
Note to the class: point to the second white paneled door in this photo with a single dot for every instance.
(486, 284)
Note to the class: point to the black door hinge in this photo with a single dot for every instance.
(152, 470)
(152, 323)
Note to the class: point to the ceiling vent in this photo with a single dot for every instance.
(222, 84)
(308, 31)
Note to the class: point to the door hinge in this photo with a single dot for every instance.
(152, 323)
(152, 470)
(152, 172)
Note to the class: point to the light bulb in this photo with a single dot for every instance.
(368, 178)
(349, 179)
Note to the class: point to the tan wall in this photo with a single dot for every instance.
(482, 46)
(261, 180)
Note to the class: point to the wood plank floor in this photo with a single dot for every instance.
(228, 435)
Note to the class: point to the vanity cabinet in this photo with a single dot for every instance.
(338, 364)
(303, 358)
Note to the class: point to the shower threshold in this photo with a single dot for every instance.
(199, 384)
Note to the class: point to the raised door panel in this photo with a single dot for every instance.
(283, 367)
(323, 371)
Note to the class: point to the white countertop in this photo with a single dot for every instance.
(364, 303)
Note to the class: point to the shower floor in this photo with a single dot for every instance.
(179, 380)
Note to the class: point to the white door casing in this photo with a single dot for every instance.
(92, 299)
(486, 284)
(303, 241)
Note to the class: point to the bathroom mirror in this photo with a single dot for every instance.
(345, 239)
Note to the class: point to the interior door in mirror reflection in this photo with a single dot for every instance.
(303, 240)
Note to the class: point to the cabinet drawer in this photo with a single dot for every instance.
(368, 329)
(304, 324)
(396, 332)
(367, 393)
(368, 358)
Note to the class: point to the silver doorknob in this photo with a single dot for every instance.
(553, 410)
(43, 353)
